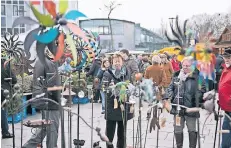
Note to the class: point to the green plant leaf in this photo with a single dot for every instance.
(45, 20)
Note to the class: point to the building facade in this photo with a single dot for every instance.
(122, 32)
(125, 34)
(11, 9)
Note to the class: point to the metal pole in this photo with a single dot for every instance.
(70, 126)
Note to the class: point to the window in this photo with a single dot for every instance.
(9, 30)
(21, 10)
(3, 30)
(21, 2)
(22, 30)
(103, 30)
(100, 30)
(3, 21)
(15, 10)
(16, 30)
(3, 10)
(22, 25)
(8, 2)
(15, 2)
(120, 45)
(3, 2)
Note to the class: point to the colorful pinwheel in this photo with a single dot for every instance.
(59, 23)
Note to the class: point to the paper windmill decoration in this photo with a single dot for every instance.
(59, 24)
(86, 51)
(12, 51)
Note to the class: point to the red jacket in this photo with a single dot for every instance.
(175, 65)
(224, 90)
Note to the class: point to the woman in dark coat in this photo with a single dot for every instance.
(98, 80)
(116, 73)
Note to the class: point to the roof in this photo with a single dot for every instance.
(107, 19)
(226, 28)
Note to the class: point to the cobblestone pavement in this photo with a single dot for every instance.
(165, 133)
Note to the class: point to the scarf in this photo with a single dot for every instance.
(182, 76)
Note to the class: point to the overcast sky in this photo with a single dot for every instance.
(150, 12)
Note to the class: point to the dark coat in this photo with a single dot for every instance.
(132, 68)
(53, 80)
(100, 77)
(111, 113)
(94, 68)
(189, 92)
(5, 73)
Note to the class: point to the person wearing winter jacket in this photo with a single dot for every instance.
(224, 95)
(144, 65)
(51, 112)
(175, 63)
(93, 72)
(156, 72)
(105, 65)
(113, 115)
(167, 67)
(130, 64)
(191, 95)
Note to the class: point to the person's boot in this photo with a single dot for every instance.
(192, 139)
(179, 139)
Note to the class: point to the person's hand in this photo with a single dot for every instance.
(167, 105)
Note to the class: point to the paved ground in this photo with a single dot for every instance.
(165, 138)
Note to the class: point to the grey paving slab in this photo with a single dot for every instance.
(165, 136)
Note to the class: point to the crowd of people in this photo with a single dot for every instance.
(164, 70)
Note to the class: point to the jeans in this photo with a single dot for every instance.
(103, 100)
(4, 123)
(226, 137)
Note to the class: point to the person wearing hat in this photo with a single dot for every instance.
(224, 95)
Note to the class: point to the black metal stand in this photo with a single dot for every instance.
(148, 120)
(78, 143)
(139, 126)
(13, 132)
